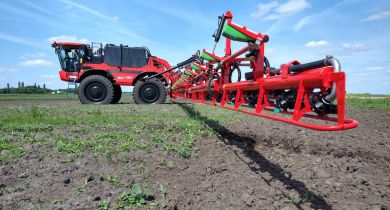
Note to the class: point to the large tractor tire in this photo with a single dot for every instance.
(152, 91)
(96, 89)
(117, 94)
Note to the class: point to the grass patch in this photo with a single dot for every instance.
(73, 128)
(104, 205)
(8, 97)
(114, 181)
(367, 100)
(306, 198)
(10, 150)
(136, 197)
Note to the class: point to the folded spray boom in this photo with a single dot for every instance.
(298, 91)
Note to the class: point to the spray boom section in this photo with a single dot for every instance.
(300, 94)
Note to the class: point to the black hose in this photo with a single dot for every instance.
(308, 66)
(179, 65)
(266, 63)
(232, 68)
(186, 62)
(214, 76)
(221, 23)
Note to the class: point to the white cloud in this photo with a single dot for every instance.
(359, 47)
(50, 76)
(361, 74)
(377, 16)
(64, 38)
(193, 16)
(20, 40)
(69, 7)
(320, 16)
(275, 10)
(90, 11)
(263, 9)
(8, 69)
(316, 44)
(33, 55)
(304, 21)
(375, 68)
(36, 63)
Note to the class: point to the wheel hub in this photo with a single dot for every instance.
(149, 93)
(96, 92)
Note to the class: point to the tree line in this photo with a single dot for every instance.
(32, 89)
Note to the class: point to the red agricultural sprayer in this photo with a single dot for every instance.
(310, 95)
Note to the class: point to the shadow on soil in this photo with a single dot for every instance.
(260, 164)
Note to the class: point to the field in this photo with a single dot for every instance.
(59, 154)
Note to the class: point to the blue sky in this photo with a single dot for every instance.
(354, 31)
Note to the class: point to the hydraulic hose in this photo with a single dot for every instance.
(179, 65)
(232, 68)
(221, 23)
(328, 61)
(214, 76)
(307, 66)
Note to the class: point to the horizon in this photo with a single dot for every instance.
(354, 31)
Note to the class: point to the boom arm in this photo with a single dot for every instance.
(179, 65)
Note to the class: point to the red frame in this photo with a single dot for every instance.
(304, 82)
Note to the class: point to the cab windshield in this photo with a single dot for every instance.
(70, 58)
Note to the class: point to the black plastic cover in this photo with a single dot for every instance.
(131, 56)
(249, 76)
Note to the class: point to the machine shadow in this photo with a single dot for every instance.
(260, 164)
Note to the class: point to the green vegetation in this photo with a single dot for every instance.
(80, 189)
(72, 128)
(114, 181)
(103, 205)
(368, 100)
(33, 89)
(137, 196)
(307, 197)
(13, 97)
(57, 202)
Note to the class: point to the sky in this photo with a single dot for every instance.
(354, 31)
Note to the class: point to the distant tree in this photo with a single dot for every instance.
(35, 85)
(18, 84)
(8, 90)
(22, 84)
(44, 86)
(39, 86)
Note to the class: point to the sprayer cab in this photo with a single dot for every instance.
(101, 71)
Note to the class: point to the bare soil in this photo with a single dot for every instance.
(252, 163)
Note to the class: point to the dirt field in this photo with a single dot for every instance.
(58, 154)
